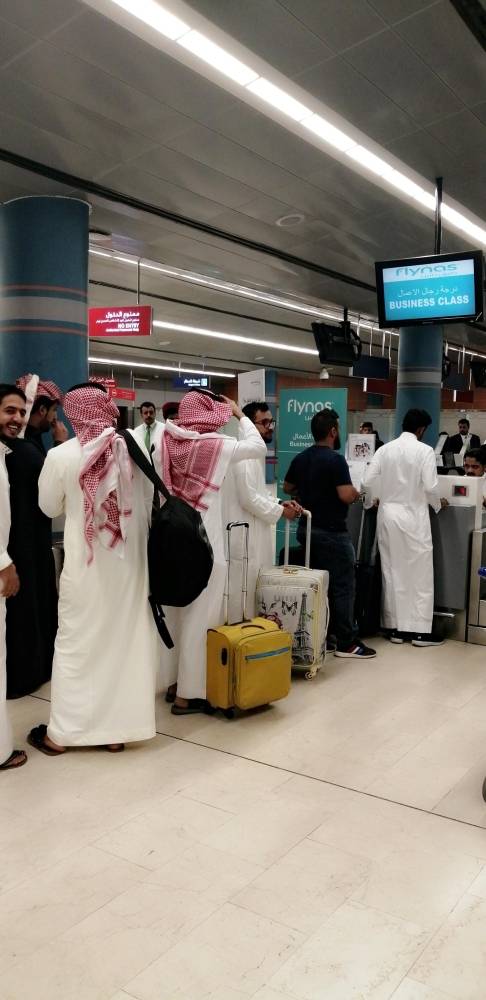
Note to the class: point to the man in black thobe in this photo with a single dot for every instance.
(32, 614)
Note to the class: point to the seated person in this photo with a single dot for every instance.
(475, 465)
(464, 439)
(367, 428)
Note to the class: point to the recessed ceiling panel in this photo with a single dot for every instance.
(13, 41)
(442, 39)
(41, 16)
(34, 107)
(216, 150)
(398, 10)
(426, 154)
(390, 64)
(340, 23)
(25, 139)
(322, 207)
(341, 87)
(182, 170)
(156, 191)
(61, 73)
(106, 45)
(465, 134)
(255, 131)
(269, 29)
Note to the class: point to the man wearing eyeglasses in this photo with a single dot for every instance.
(247, 499)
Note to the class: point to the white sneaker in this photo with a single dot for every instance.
(426, 639)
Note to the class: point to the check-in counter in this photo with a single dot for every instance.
(459, 542)
(452, 534)
(476, 618)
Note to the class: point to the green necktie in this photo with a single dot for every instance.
(147, 439)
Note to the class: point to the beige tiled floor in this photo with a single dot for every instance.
(331, 847)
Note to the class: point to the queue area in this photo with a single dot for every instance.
(273, 201)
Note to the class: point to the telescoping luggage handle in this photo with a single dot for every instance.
(244, 589)
(308, 528)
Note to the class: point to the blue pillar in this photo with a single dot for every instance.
(44, 289)
(420, 375)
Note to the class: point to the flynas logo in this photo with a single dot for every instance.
(294, 406)
(425, 270)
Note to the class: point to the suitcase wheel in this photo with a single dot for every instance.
(484, 789)
(229, 713)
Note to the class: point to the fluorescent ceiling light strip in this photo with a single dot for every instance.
(126, 260)
(250, 293)
(239, 290)
(163, 368)
(204, 48)
(462, 223)
(409, 187)
(201, 332)
(279, 99)
(319, 126)
(367, 159)
(101, 253)
(157, 17)
(217, 57)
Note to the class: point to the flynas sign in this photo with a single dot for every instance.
(296, 409)
(435, 290)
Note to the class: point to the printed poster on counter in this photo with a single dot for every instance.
(251, 387)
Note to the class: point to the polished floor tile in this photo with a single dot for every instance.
(455, 959)
(330, 847)
(306, 886)
(232, 948)
(410, 989)
(357, 953)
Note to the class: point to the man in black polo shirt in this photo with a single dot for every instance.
(320, 478)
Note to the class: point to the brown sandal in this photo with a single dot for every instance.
(12, 762)
(36, 739)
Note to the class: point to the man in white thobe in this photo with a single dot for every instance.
(107, 646)
(12, 418)
(196, 459)
(403, 477)
(246, 498)
(149, 432)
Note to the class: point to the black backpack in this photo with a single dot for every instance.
(180, 557)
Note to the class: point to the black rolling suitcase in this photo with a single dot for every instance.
(367, 604)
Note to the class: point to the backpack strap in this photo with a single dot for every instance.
(137, 456)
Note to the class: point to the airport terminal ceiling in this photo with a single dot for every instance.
(84, 97)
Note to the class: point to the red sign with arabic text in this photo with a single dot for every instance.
(108, 383)
(121, 321)
(129, 394)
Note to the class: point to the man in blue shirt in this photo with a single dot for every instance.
(319, 478)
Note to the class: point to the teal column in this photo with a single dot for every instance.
(420, 375)
(44, 289)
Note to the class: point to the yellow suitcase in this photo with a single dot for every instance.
(248, 664)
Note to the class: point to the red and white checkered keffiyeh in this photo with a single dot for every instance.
(106, 471)
(43, 388)
(33, 387)
(191, 450)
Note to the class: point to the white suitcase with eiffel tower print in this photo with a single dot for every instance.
(295, 597)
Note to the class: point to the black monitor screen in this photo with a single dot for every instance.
(443, 288)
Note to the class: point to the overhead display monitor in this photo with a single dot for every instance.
(442, 288)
